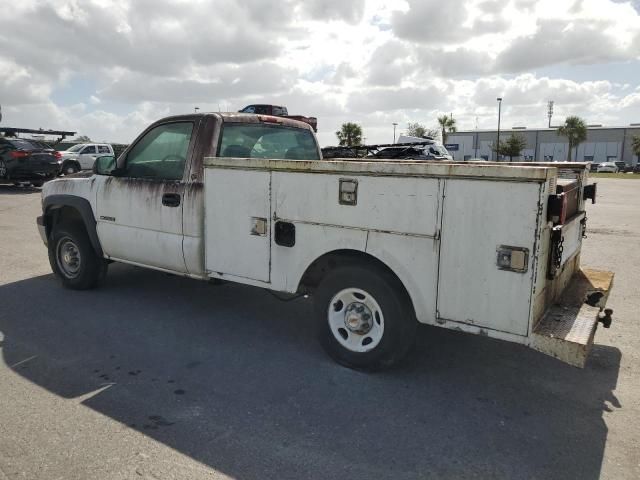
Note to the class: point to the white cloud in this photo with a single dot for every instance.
(371, 61)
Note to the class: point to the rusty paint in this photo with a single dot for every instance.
(387, 168)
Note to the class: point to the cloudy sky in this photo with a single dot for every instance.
(107, 68)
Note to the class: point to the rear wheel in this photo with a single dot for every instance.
(364, 318)
(3, 169)
(70, 168)
(73, 259)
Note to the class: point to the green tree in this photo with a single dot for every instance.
(350, 134)
(82, 139)
(635, 145)
(447, 125)
(418, 130)
(512, 146)
(575, 129)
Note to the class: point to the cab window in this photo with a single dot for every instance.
(161, 153)
(257, 140)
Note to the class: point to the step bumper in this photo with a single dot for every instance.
(567, 329)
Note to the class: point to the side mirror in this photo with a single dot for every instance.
(104, 165)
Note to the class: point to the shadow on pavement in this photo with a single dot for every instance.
(17, 190)
(233, 378)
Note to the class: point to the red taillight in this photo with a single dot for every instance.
(563, 209)
(19, 154)
(557, 209)
(57, 154)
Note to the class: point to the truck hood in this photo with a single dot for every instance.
(79, 184)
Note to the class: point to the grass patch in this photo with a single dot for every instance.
(634, 176)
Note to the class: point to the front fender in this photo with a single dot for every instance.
(52, 203)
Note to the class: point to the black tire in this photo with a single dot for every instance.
(72, 239)
(69, 168)
(398, 318)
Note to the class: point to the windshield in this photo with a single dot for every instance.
(438, 150)
(257, 140)
(76, 148)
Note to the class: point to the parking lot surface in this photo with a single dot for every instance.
(155, 376)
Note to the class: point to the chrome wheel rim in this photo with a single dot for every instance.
(69, 170)
(68, 257)
(3, 169)
(355, 320)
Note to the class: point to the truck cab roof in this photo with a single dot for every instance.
(236, 117)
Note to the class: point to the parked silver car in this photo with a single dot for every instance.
(607, 167)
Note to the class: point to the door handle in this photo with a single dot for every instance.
(171, 199)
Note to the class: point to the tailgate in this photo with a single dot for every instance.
(567, 329)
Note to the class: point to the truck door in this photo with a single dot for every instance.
(482, 221)
(140, 208)
(87, 157)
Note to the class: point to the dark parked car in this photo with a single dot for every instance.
(621, 166)
(27, 161)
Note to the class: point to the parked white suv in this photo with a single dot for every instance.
(82, 156)
(610, 167)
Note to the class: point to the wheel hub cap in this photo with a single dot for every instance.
(355, 320)
(358, 318)
(68, 257)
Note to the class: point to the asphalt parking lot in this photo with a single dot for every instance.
(154, 376)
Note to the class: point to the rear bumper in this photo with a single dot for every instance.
(24, 171)
(42, 229)
(567, 329)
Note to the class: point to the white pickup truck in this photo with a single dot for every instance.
(491, 249)
(82, 156)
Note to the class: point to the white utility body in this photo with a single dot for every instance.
(438, 226)
(491, 248)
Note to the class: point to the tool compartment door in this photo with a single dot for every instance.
(480, 216)
(237, 223)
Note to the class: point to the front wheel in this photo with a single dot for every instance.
(73, 259)
(364, 318)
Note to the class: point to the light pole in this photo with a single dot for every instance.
(195, 109)
(394, 131)
(550, 111)
(499, 99)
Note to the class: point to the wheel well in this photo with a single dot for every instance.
(66, 162)
(319, 268)
(63, 214)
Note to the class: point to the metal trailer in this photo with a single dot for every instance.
(490, 249)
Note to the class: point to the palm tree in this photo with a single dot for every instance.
(575, 129)
(447, 125)
(350, 134)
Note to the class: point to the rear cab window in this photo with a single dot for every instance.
(22, 144)
(258, 140)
